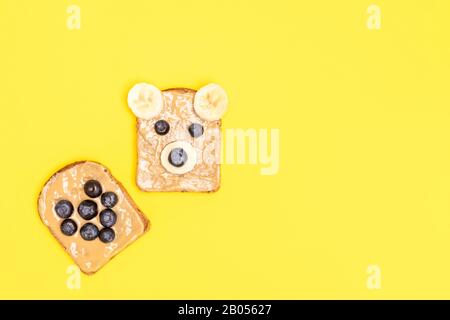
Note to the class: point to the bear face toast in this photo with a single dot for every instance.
(90, 214)
(178, 137)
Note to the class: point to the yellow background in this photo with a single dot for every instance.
(365, 145)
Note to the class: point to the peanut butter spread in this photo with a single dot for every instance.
(178, 112)
(68, 186)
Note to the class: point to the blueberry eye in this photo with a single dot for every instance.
(195, 130)
(162, 127)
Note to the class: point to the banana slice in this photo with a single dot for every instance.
(211, 102)
(178, 157)
(145, 100)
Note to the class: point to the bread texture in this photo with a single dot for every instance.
(68, 184)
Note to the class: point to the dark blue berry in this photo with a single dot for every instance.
(64, 209)
(109, 199)
(88, 209)
(68, 227)
(108, 218)
(162, 127)
(89, 231)
(195, 130)
(107, 235)
(178, 157)
(93, 188)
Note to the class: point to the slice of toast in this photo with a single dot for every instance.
(178, 112)
(90, 214)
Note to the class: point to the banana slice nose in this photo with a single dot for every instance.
(178, 157)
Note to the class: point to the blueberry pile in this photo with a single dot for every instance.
(88, 210)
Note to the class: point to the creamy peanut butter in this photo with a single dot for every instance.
(67, 184)
(179, 112)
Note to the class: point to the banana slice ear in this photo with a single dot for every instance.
(145, 100)
(211, 102)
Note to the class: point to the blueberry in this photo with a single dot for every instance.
(178, 157)
(107, 235)
(162, 127)
(195, 130)
(64, 209)
(89, 231)
(88, 209)
(109, 199)
(93, 188)
(108, 218)
(68, 227)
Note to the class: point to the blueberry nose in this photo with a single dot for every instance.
(178, 157)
